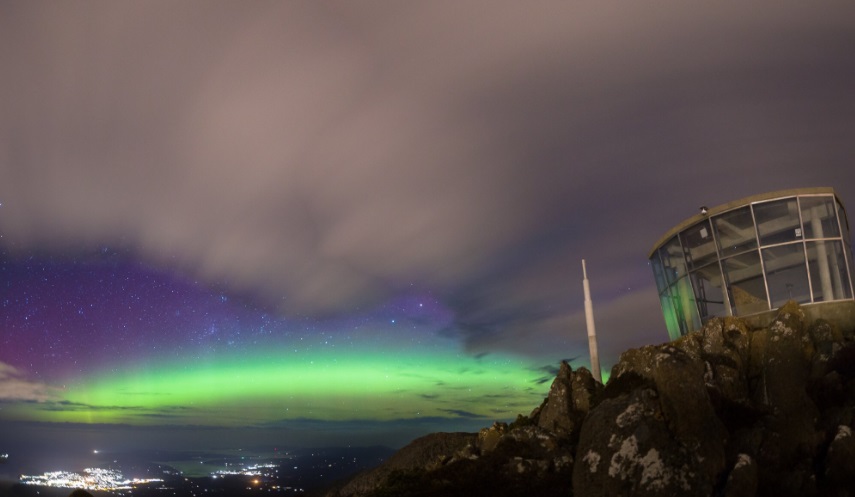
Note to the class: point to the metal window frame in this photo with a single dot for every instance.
(804, 248)
(847, 244)
(760, 254)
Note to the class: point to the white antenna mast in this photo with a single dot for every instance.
(592, 331)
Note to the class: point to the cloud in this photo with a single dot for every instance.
(15, 387)
(461, 418)
(322, 157)
(70, 406)
(632, 319)
(462, 414)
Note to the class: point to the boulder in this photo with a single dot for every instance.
(568, 401)
(827, 340)
(840, 459)
(627, 448)
(783, 354)
(678, 379)
(488, 438)
(742, 480)
(724, 345)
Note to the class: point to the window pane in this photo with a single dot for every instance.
(656, 264)
(735, 231)
(745, 278)
(819, 218)
(847, 250)
(828, 271)
(671, 321)
(708, 293)
(786, 274)
(684, 306)
(844, 222)
(699, 245)
(847, 244)
(778, 221)
(673, 262)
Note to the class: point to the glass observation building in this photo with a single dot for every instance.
(748, 257)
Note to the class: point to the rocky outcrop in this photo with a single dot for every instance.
(628, 449)
(569, 401)
(726, 411)
(424, 452)
(531, 456)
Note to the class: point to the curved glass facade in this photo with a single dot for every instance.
(752, 256)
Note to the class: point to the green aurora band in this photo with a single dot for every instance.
(266, 388)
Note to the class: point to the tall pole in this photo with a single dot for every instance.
(592, 331)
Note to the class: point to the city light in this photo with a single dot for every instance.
(91, 479)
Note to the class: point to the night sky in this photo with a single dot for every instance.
(358, 222)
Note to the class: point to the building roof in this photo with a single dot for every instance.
(736, 204)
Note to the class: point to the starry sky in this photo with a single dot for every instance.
(338, 222)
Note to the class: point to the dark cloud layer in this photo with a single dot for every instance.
(325, 156)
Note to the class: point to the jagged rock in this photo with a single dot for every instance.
(488, 438)
(583, 389)
(724, 348)
(789, 439)
(521, 465)
(568, 401)
(827, 340)
(678, 379)
(470, 451)
(834, 393)
(532, 439)
(420, 453)
(840, 459)
(742, 480)
(531, 449)
(627, 448)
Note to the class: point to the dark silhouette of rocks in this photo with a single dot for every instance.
(725, 411)
(423, 452)
(568, 402)
(80, 493)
